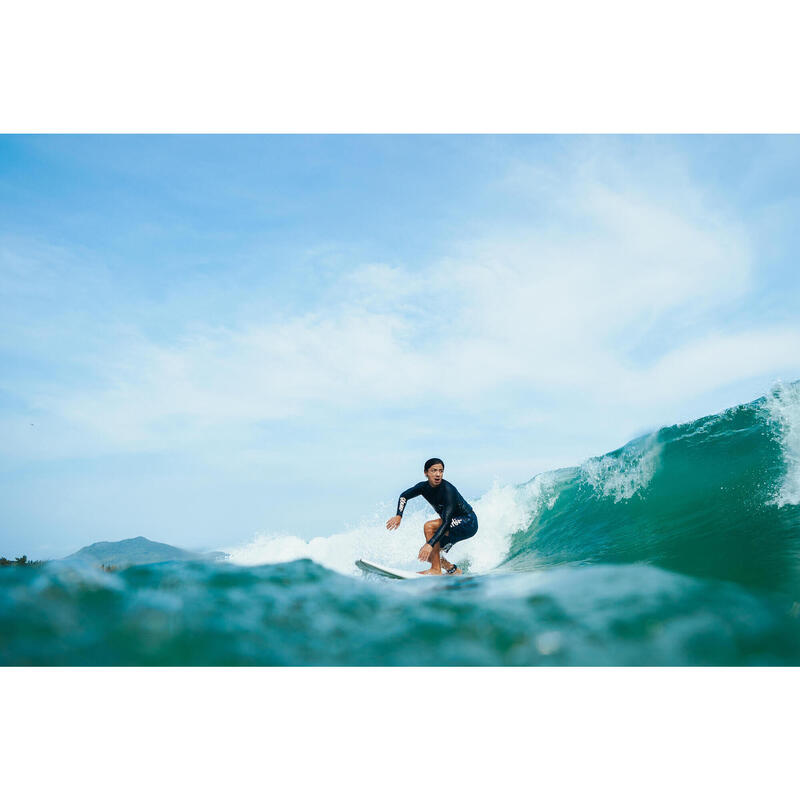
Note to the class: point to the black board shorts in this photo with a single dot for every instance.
(460, 528)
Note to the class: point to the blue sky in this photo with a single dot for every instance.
(208, 337)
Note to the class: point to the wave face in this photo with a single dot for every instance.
(680, 548)
(714, 498)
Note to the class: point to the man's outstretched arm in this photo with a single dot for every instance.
(414, 491)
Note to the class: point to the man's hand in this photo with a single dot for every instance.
(425, 552)
(393, 523)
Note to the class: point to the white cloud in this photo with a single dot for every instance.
(717, 360)
(552, 311)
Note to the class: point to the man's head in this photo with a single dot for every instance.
(434, 470)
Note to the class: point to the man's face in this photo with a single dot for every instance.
(435, 474)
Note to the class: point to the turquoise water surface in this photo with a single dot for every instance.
(680, 548)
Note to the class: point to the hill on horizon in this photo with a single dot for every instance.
(139, 550)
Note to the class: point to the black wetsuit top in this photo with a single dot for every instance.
(445, 499)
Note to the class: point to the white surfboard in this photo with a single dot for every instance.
(387, 572)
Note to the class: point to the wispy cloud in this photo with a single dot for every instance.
(557, 310)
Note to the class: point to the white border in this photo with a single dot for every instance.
(432, 66)
(616, 733)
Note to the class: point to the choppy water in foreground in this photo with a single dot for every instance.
(681, 548)
(301, 613)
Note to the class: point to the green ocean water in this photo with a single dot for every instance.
(680, 548)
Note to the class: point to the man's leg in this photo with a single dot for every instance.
(447, 566)
(436, 566)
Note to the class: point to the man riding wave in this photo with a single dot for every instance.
(456, 521)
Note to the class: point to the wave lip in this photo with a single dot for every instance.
(625, 472)
(782, 405)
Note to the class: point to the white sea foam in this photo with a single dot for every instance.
(502, 511)
(783, 411)
(369, 540)
(624, 474)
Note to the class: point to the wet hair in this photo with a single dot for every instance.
(431, 461)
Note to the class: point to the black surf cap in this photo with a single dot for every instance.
(431, 461)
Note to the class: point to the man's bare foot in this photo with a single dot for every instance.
(430, 571)
(447, 566)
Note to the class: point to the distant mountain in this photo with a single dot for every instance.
(137, 551)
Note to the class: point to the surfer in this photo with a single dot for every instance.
(456, 521)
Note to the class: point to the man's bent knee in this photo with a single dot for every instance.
(431, 527)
